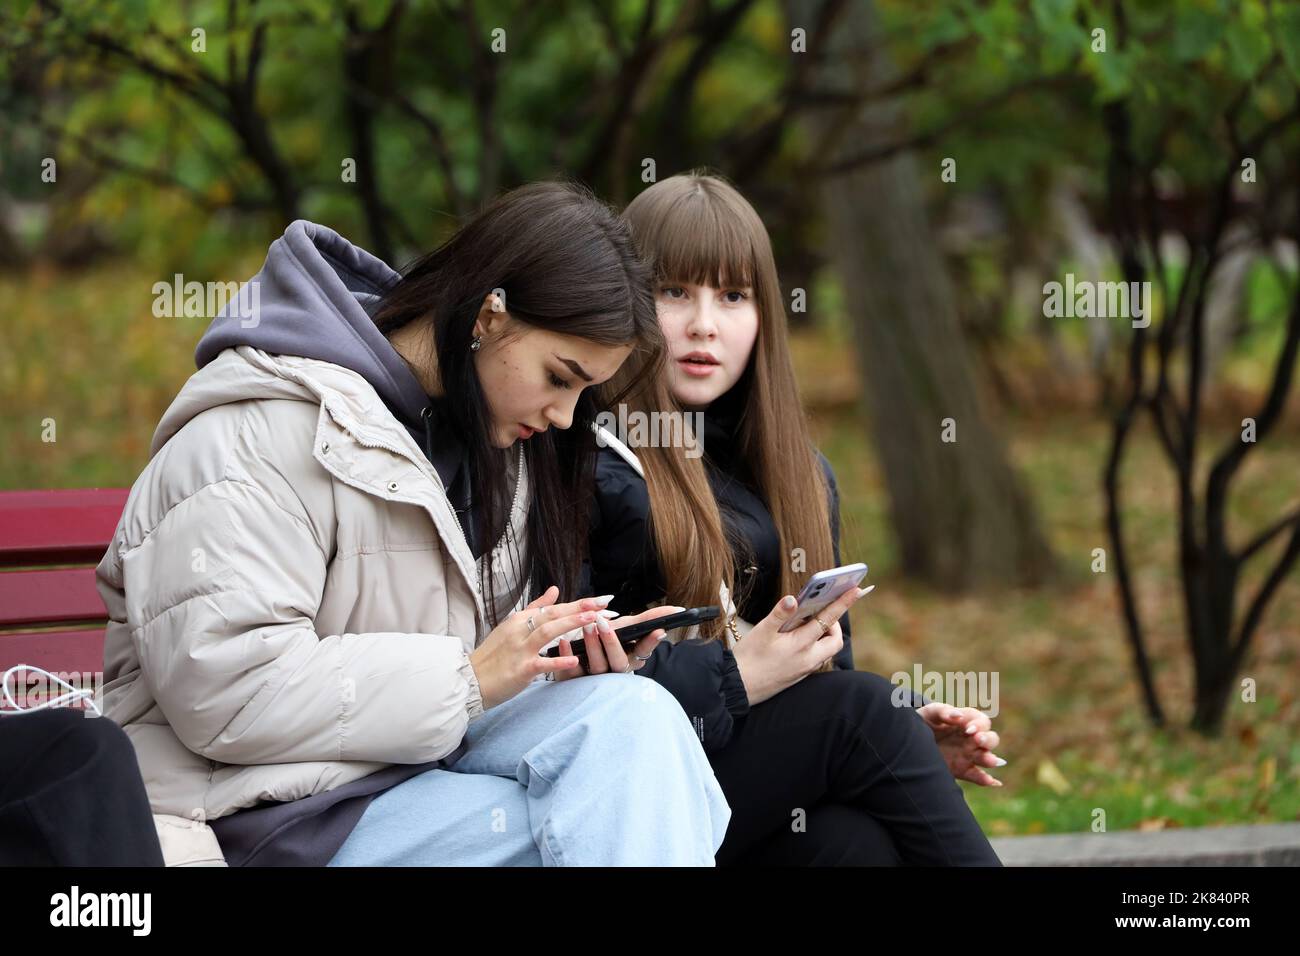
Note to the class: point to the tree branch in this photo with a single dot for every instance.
(151, 174)
(1255, 611)
(756, 147)
(1120, 166)
(1235, 452)
(961, 115)
(483, 90)
(609, 144)
(1262, 539)
(200, 86)
(441, 150)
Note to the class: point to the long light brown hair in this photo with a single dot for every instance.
(697, 229)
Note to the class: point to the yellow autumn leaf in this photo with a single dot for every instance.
(220, 192)
(1049, 775)
(1267, 772)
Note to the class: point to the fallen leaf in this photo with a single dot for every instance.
(1049, 775)
(1267, 772)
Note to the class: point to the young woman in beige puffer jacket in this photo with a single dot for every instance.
(330, 585)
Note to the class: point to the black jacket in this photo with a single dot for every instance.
(702, 675)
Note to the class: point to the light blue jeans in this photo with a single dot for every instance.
(601, 770)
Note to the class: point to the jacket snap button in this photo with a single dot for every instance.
(392, 486)
(324, 447)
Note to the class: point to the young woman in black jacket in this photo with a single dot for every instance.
(820, 763)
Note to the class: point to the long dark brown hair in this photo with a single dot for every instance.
(565, 262)
(697, 229)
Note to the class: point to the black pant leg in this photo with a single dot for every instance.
(838, 738)
(71, 793)
(833, 834)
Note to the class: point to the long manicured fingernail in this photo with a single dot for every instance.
(1000, 763)
(787, 602)
(863, 592)
(971, 728)
(608, 614)
(603, 599)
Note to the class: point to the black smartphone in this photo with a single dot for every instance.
(629, 635)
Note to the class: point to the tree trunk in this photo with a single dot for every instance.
(359, 48)
(959, 512)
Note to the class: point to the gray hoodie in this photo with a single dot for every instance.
(313, 297)
(311, 300)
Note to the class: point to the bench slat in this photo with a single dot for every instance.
(54, 650)
(49, 597)
(35, 701)
(65, 526)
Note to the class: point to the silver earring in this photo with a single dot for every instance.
(476, 344)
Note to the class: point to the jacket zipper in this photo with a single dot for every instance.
(478, 591)
(509, 516)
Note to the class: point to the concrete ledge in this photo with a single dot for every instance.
(1264, 844)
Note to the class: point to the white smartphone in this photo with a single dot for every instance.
(824, 588)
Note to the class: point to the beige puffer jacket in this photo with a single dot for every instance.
(291, 598)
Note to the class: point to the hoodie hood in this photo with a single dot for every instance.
(311, 299)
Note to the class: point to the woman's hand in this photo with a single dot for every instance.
(605, 655)
(770, 661)
(965, 740)
(510, 657)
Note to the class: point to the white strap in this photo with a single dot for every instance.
(76, 693)
(606, 437)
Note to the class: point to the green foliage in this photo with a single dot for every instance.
(1016, 86)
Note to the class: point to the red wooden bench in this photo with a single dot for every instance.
(51, 615)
